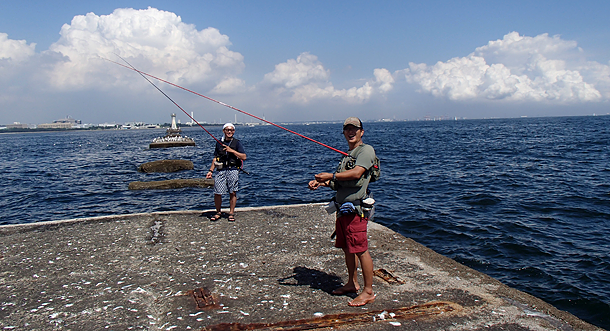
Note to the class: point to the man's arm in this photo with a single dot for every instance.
(324, 178)
(241, 156)
(212, 167)
(352, 174)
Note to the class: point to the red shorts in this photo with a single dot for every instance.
(351, 233)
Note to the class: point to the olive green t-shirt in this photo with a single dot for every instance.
(354, 190)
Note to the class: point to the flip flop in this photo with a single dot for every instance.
(215, 217)
(231, 218)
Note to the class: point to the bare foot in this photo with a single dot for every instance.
(345, 290)
(362, 300)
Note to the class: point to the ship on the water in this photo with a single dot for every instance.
(172, 138)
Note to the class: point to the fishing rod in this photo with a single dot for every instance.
(228, 106)
(177, 105)
(167, 96)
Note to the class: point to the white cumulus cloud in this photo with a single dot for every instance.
(384, 79)
(293, 73)
(16, 50)
(152, 40)
(305, 79)
(518, 68)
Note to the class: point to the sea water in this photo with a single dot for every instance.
(526, 201)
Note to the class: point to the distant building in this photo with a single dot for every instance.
(17, 125)
(64, 123)
(54, 126)
(68, 119)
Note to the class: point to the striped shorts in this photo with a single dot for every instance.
(226, 181)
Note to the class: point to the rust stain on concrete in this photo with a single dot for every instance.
(337, 320)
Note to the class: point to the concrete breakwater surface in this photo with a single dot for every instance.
(273, 268)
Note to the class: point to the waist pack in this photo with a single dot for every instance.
(347, 208)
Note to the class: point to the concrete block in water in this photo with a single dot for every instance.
(166, 166)
(171, 184)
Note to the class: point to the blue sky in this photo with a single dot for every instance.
(304, 61)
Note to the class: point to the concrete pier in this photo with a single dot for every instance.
(272, 269)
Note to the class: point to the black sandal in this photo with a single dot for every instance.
(215, 217)
(231, 218)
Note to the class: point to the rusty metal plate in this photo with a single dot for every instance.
(337, 320)
(387, 276)
(204, 299)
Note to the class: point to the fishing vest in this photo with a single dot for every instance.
(228, 160)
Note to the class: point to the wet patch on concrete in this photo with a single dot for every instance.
(279, 213)
(557, 323)
(157, 232)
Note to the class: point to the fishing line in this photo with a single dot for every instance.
(167, 96)
(226, 105)
(187, 114)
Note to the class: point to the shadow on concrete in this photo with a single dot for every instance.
(208, 215)
(316, 279)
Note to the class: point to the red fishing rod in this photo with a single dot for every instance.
(226, 105)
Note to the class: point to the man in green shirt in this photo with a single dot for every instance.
(351, 182)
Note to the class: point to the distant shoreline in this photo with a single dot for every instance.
(9, 131)
(167, 125)
(96, 128)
